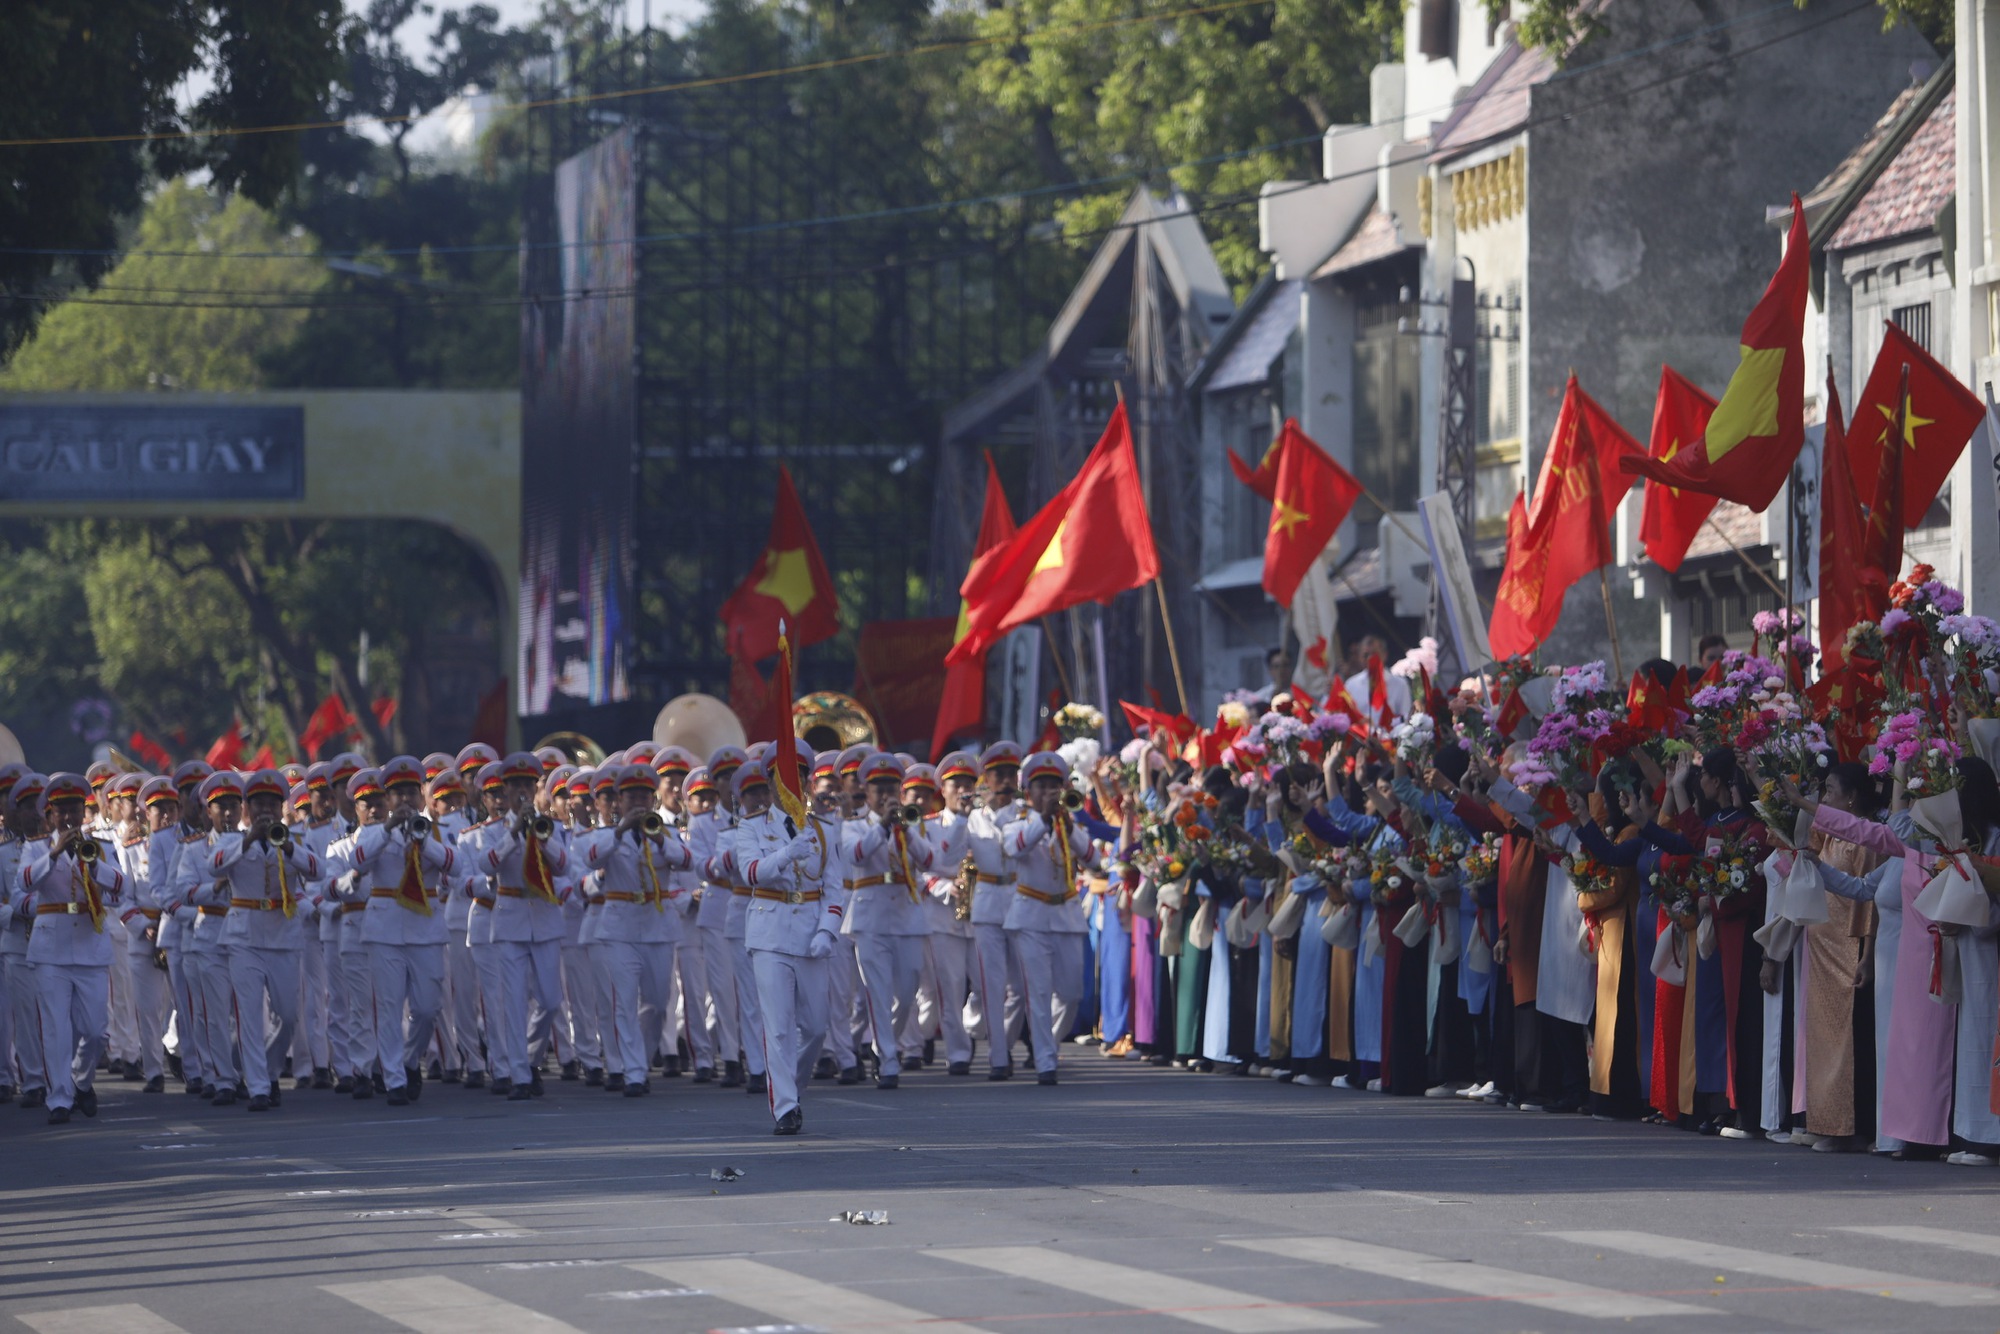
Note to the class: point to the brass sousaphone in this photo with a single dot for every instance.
(577, 748)
(829, 720)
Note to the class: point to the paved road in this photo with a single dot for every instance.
(1127, 1199)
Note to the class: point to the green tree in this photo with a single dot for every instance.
(172, 317)
(80, 78)
(1560, 25)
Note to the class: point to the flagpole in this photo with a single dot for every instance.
(1173, 648)
(1755, 568)
(1611, 622)
(1062, 672)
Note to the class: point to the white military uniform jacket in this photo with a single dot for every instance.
(885, 903)
(950, 836)
(378, 858)
(1044, 899)
(705, 841)
(54, 890)
(796, 888)
(994, 894)
(635, 884)
(254, 881)
(520, 915)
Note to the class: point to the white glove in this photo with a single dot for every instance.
(802, 846)
(821, 946)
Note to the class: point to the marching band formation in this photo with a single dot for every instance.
(474, 917)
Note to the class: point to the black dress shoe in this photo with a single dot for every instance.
(732, 1075)
(286, 1072)
(570, 1073)
(959, 1068)
(826, 1068)
(1046, 1078)
(413, 1083)
(174, 1065)
(86, 1101)
(753, 1084)
(225, 1097)
(132, 1073)
(534, 1083)
(322, 1078)
(593, 1078)
(193, 1088)
(930, 1050)
(670, 1067)
(476, 1080)
(399, 1097)
(791, 1123)
(613, 1083)
(500, 1087)
(375, 1080)
(34, 1098)
(277, 1094)
(886, 1082)
(704, 1074)
(637, 1090)
(58, 1116)
(6, 1093)
(260, 1103)
(157, 1084)
(521, 1093)
(851, 1075)
(345, 1084)
(363, 1090)
(999, 1072)
(302, 1082)
(436, 1071)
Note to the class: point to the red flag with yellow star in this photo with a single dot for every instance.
(963, 706)
(1759, 426)
(1566, 533)
(1845, 596)
(1943, 416)
(1673, 516)
(789, 582)
(1312, 495)
(1090, 543)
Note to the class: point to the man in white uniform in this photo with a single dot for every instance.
(951, 939)
(1046, 917)
(996, 976)
(525, 853)
(887, 858)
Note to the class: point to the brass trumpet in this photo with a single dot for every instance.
(542, 827)
(1072, 800)
(910, 814)
(88, 850)
(652, 824)
(277, 837)
(421, 825)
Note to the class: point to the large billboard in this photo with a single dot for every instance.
(578, 433)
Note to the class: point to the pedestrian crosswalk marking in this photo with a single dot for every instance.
(1155, 1294)
(434, 1304)
(1788, 1268)
(1974, 1242)
(789, 1297)
(129, 1319)
(1550, 1294)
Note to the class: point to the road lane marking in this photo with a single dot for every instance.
(434, 1304)
(1790, 1268)
(1974, 1242)
(99, 1320)
(1153, 1294)
(787, 1296)
(1550, 1294)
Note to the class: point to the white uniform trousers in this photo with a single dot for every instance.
(1052, 972)
(952, 962)
(209, 974)
(187, 1019)
(123, 1032)
(492, 1002)
(357, 979)
(72, 1002)
(791, 997)
(637, 974)
(843, 979)
(919, 1023)
(659, 1017)
(461, 1006)
(152, 1004)
(339, 1025)
(412, 976)
(583, 997)
(23, 1001)
(697, 1010)
(996, 978)
(716, 951)
(531, 975)
(548, 1025)
(256, 977)
(311, 1043)
(889, 966)
(750, 1012)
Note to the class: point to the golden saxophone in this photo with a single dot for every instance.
(967, 881)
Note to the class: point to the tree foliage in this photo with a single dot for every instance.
(1559, 25)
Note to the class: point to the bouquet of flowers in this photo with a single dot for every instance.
(1386, 877)
(1931, 761)
(1675, 885)
(1481, 861)
(1925, 600)
(1076, 721)
(1587, 875)
(1329, 727)
(1975, 654)
(1424, 658)
(1324, 860)
(1727, 869)
(1414, 737)
(1281, 736)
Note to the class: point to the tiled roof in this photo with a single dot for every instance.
(1498, 103)
(1739, 527)
(1841, 177)
(1906, 197)
(1248, 360)
(1376, 238)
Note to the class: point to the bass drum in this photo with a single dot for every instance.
(699, 724)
